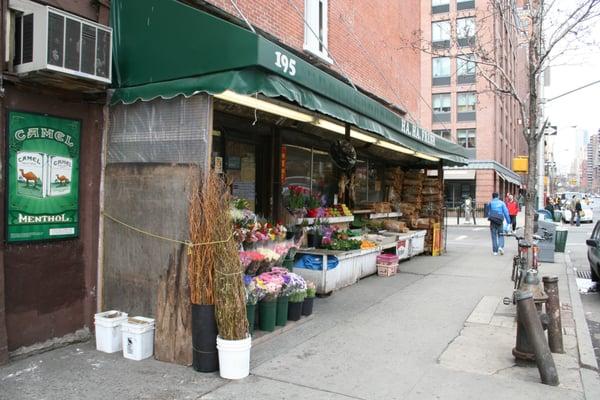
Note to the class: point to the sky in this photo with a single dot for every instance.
(577, 112)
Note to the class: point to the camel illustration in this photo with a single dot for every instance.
(29, 176)
(63, 180)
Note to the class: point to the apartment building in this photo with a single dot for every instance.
(459, 101)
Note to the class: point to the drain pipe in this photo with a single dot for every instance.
(555, 338)
(528, 316)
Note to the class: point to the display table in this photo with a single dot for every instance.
(352, 266)
(417, 242)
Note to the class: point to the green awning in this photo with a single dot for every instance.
(163, 48)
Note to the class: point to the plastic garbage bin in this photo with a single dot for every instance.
(560, 241)
(557, 215)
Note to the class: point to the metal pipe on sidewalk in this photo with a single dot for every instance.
(555, 338)
(528, 316)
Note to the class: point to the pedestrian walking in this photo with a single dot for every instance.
(571, 207)
(513, 209)
(498, 213)
(578, 210)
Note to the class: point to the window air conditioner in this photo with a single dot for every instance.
(50, 40)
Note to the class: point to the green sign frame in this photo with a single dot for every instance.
(42, 177)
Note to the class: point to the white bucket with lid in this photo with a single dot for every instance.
(234, 357)
(138, 338)
(108, 330)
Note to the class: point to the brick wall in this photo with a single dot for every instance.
(367, 39)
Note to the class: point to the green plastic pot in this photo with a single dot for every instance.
(289, 265)
(267, 311)
(282, 310)
(250, 313)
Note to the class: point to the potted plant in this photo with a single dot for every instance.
(307, 304)
(203, 203)
(298, 285)
(233, 341)
(294, 198)
(284, 295)
(253, 294)
(271, 285)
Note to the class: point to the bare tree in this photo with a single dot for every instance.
(545, 31)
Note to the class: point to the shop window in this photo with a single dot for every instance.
(445, 133)
(440, 6)
(466, 68)
(440, 34)
(369, 186)
(440, 71)
(312, 170)
(315, 28)
(465, 31)
(465, 104)
(240, 169)
(441, 107)
(466, 138)
(465, 4)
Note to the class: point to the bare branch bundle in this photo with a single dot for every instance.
(230, 296)
(203, 203)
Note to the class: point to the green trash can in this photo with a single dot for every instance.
(557, 215)
(560, 240)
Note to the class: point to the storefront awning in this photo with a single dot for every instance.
(164, 48)
(459, 174)
(481, 165)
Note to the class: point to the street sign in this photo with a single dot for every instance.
(550, 130)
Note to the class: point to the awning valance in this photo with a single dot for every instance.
(163, 48)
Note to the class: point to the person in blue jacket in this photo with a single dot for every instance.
(497, 214)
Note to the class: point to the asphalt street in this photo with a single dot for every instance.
(577, 250)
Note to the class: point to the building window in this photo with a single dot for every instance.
(466, 138)
(465, 68)
(465, 31)
(440, 34)
(440, 6)
(440, 71)
(465, 4)
(445, 133)
(441, 107)
(465, 106)
(315, 28)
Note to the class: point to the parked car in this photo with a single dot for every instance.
(593, 253)
(586, 215)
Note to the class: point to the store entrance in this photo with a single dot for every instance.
(243, 160)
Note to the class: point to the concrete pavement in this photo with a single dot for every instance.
(437, 330)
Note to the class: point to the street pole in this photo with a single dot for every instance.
(540, 170)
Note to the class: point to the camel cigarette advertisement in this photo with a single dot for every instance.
(43, 177)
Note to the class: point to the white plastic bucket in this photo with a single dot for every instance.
(234, 357)
(138, 338)
(108, 330)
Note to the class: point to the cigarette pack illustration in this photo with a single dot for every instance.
(60, 172)
(31, 174)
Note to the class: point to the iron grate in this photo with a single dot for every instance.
(584, 274)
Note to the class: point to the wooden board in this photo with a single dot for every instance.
(173, 335)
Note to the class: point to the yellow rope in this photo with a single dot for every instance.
(187, 243)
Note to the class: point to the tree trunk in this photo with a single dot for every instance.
(530, 203)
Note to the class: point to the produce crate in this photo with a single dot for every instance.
(386, 270)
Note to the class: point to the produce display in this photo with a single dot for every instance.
(343, 245)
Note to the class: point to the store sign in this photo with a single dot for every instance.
(43, 177)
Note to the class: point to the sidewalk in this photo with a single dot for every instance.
(437, 330)
(481, 222)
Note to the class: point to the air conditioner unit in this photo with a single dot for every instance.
(47, 39)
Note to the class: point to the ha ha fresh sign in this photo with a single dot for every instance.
(43, 177)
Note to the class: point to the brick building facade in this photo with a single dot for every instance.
(366, 42)
(464, 109)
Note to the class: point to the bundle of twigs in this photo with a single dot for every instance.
(230, 295)
(201, 260)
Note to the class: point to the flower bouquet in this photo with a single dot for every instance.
(252, 261)
(254, 293)
(294, 198)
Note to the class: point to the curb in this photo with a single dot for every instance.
(587, 357)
